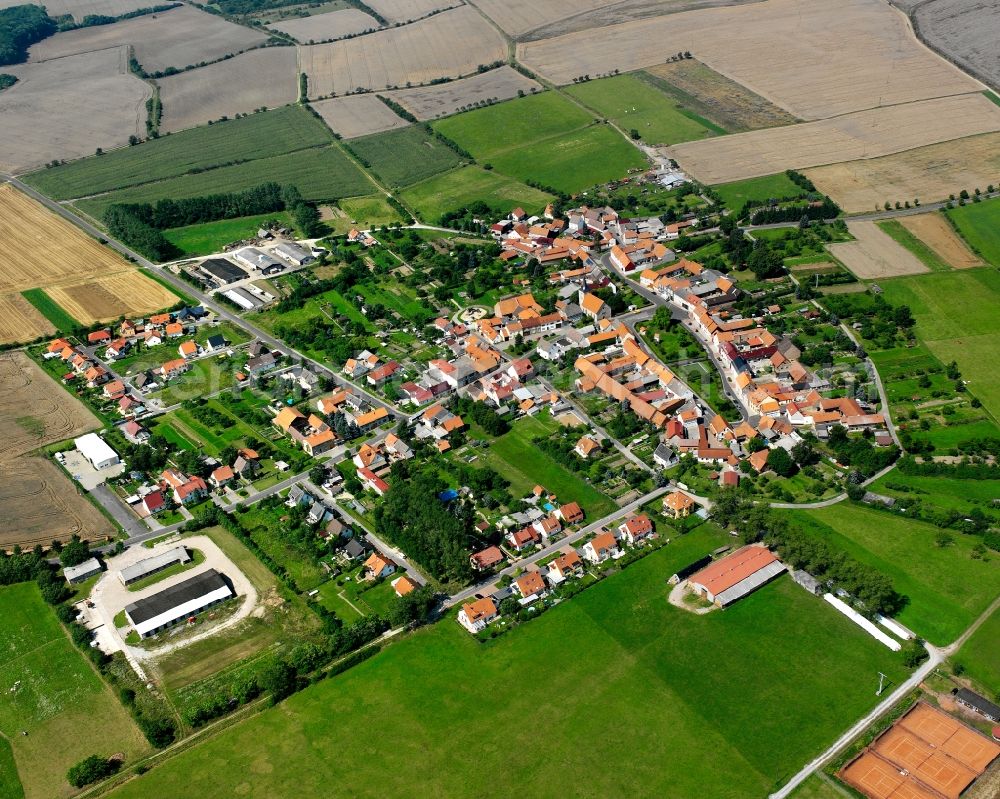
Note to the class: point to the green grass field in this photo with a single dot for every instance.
(58, 697)
(957, 320)
(817, 787)
(515, 457)
(485, 132)
(365, 213)
(319, 173)
(981, 655)
(724, 706)
(10, 785)
(941, 492)
(265, 528)
(979, 224)
(208, 237)
(736, 195)
(263, 135)
(633, 104)
(572, 161)
(946, 587)
(51, 310)
(459, 188)
(904, 237)
(404, 156)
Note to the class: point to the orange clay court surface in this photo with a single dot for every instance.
(927, 754)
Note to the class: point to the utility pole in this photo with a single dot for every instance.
(881, 684)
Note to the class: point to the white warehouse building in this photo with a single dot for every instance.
(96, 450)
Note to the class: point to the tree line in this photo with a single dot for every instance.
(140, 225)
(21, 27)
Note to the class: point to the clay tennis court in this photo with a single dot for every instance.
(927, 754)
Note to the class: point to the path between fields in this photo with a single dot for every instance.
(936, 656)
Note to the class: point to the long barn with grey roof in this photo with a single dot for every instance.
(158, 612)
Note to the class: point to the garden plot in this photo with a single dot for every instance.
(69, 107)
(966, 31)
(358, 115)
(934, 231)
(396, 11)
(177, 38)
(870, 56)
(432, 102)
(874, 254)
(331, 25)
(449, 44)
(928, 173)
(240, 85)
(863, 134)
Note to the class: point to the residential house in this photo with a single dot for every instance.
(593, 306)
(636, 529)
(222, 476)
(586, 447)
(403, 586)
(677, 505)
(247, 463)
(154, 502)
(173, 368)
(570, 513)
(530, 585)
(486, 559)
(567, 565)
(475, 616)
(383, 374)
(525, 538)
(377, 566)
(601, 547)
(188, 349)
(373, 482)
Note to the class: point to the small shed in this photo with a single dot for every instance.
(82, 571)
(807, 581)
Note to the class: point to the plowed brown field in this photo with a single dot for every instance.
(935, 231)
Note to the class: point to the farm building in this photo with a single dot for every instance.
(82, 571)
(291, 251)
(736, 575)
(158, 612)
(243, 298)
(977, 703)
(148, 566)
(95, 450)
(222, 270)
(256, 259)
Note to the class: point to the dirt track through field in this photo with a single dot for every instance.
(937, 233)
(875, 254)
(834, 57)
(863, 134)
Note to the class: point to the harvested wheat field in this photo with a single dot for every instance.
(869, 54)
(35, 411)
(928, 174)
(449, 44)
(40, 504)
(37, 501)
(863, 134)
(111, 296)
(964, 30)
(240, 85)
(358, 115)
(21, 321)
(434, 102)
(176, 38)
(69, 107)
(89, 280)
(874, 254)
(396, 11)
(517, 17)
(331, 25)
(937, 233)
(42, 249)
(78, 9)
(716, 97)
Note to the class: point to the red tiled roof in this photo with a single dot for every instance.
(732, 569)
